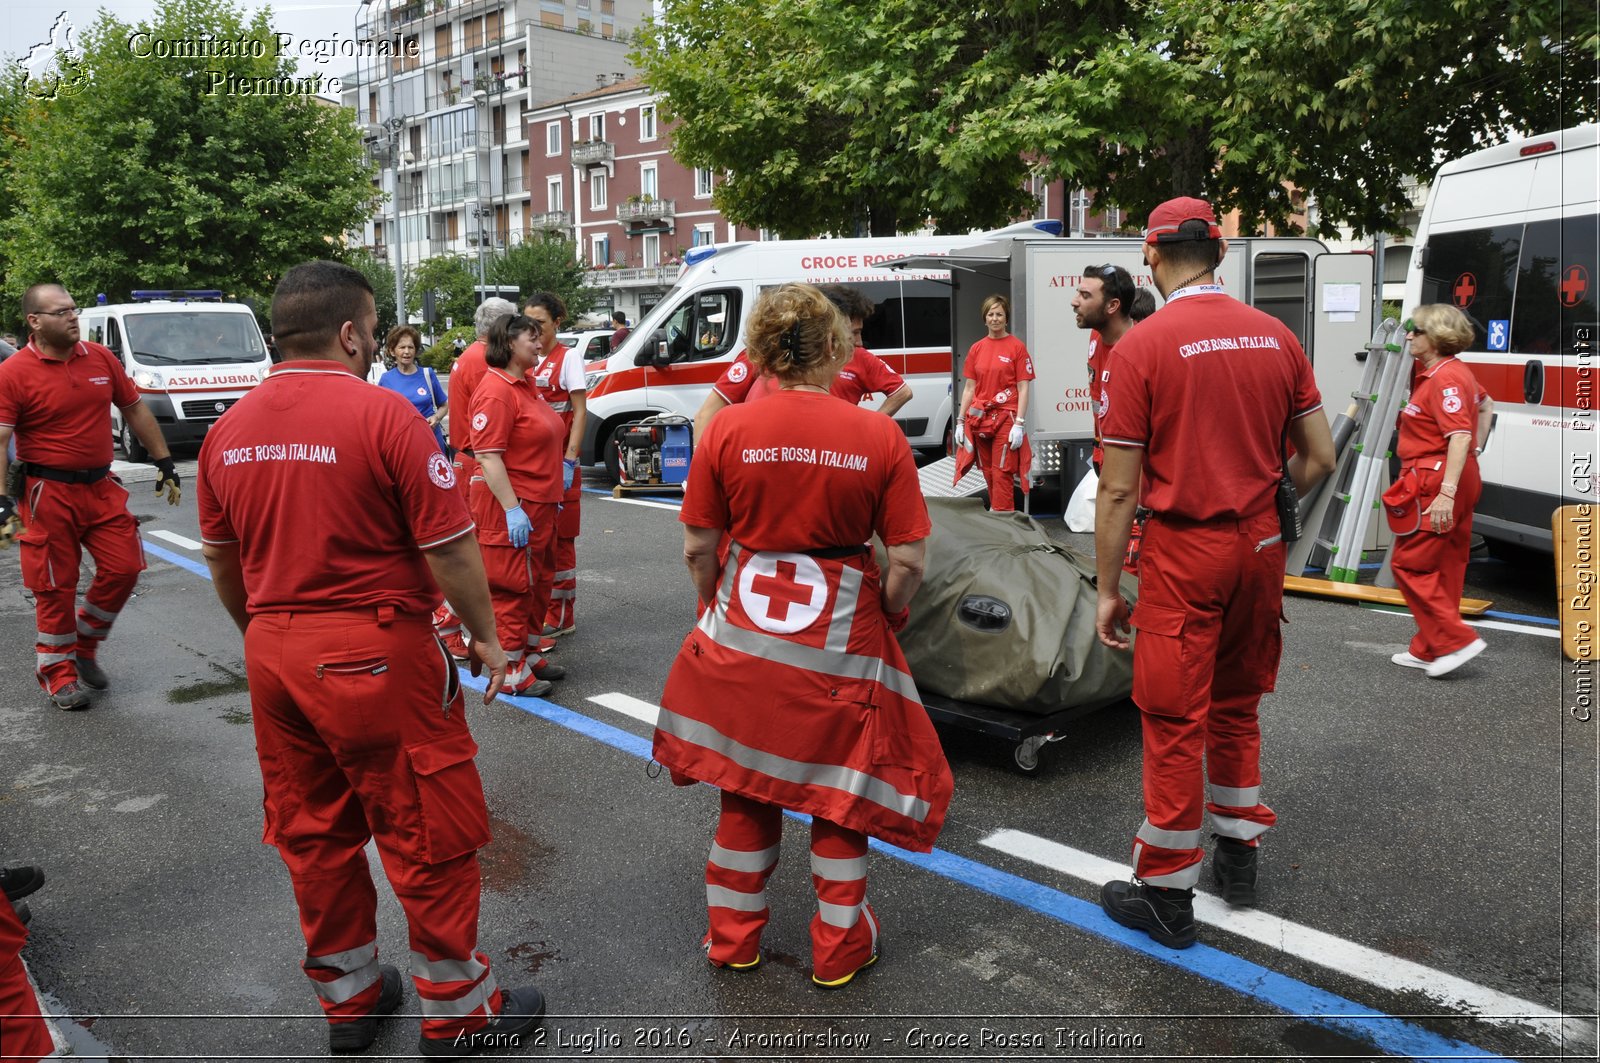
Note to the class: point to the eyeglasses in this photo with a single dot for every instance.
(1103, 272)
(66, 311)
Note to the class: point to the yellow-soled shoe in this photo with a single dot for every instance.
(840, 983)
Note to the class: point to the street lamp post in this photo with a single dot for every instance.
(480, 211)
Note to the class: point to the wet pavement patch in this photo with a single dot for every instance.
(508, 861)
(229, 683)
(530, 955)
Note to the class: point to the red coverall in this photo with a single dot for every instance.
(509, 419)
(1430, 568)
(995, 366)
(59, 412)
(1206, 387)
(554, 378)
(23, 1034)
(763, 700)
(468, 369)
(360, 724)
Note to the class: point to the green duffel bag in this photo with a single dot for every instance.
(1005, 616)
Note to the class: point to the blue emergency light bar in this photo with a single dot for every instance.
(698, 254)
(1049, 225)
(144, 295)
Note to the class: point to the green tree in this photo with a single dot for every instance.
(13, 102)
(380, 275)
(181, 172)
(453, 281)
(877, 115)
(545, 265)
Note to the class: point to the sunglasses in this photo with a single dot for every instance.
(1103, 272)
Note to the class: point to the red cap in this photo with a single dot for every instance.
(1169, 216)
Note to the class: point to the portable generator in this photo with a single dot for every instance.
(654, 451)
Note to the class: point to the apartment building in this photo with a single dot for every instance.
(600, 166)
(446, 116)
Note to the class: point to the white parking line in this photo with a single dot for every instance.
(174, 537)
(1497, 625)
(644, 502)
(642, 711)
(1346, 957)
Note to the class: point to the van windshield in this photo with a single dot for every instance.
(194, 337)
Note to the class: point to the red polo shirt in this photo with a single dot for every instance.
(464, 377)
(510, 419)
(61, 411)
(995, 367)
(1444, 402)
(332, 488)
(863, 375)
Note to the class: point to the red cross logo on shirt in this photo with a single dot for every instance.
(1574, 286)
(782, 591)
(1464, 290)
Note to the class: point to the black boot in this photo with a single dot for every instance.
(356, 1036)
(1165, 914)
(1233, 867)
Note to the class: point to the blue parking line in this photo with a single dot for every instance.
(1288, 995)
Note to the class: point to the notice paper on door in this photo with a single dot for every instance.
(1341, 302)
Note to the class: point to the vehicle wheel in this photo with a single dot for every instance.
(612, 463)
(1025, 755)
(131, 446)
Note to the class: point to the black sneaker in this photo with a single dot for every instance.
(520, 1011)
(1165, 914)
(356, 1036)
(1233, 867)
(91, 675)
(21, 881)
(71, 696)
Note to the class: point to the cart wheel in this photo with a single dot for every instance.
(1025, 755)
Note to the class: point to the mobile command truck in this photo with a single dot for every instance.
(190, 355)
(1325, 298)
(1509, 235)
(669, 362)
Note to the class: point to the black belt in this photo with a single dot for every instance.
(835, 553)
(65, 476)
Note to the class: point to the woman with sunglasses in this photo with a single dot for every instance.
(994, 399)
(1442, 430)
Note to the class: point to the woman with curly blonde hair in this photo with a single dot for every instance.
(791, 692)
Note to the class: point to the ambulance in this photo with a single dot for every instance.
(670, 360)
(1509, 236)
(190, 355)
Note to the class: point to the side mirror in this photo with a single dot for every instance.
(654, 352)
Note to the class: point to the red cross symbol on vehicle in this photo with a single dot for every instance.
(1465, 290)
(782, 591)
(1574, 286)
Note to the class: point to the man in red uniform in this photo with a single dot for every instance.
(862, 376)
(1200, 396)
(360, 722)
(559, 379)
(468, 369)
(1101, 305)
(54, 395)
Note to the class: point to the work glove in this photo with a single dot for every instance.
(961, 435)
(569, 469)
(10, 526)
(1014, 440)
(518, 526)
(167, 482)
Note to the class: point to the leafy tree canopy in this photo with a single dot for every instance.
(452, 280)
(166, 172)
(380, 275)
(545, 265)
(875, 115)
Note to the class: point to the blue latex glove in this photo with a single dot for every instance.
(569, 469)
(518, 526)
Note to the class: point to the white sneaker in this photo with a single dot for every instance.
(1451, 661)
(1405, 660)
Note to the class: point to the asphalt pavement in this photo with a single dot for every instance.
(1429, 891)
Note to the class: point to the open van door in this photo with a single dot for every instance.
(1341, 324)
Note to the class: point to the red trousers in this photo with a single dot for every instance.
(362, 734)
(562, 612)
(63, 519)
(1431, 569)
(844, 932)
(23, 1034)
(1207, 648)
(519, 577)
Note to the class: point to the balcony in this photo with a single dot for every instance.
(488, 238)
(646, 209)
(632, 277)
(594, 153)
(554, 219)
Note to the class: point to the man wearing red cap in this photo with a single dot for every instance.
(1199, 398)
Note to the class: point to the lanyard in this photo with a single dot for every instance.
(1196, 289)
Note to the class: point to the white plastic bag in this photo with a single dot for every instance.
(1080, 510)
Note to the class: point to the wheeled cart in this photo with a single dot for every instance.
(1029, 732)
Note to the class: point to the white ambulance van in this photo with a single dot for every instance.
(670, 360)
(1509, 235)
(190, 354)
